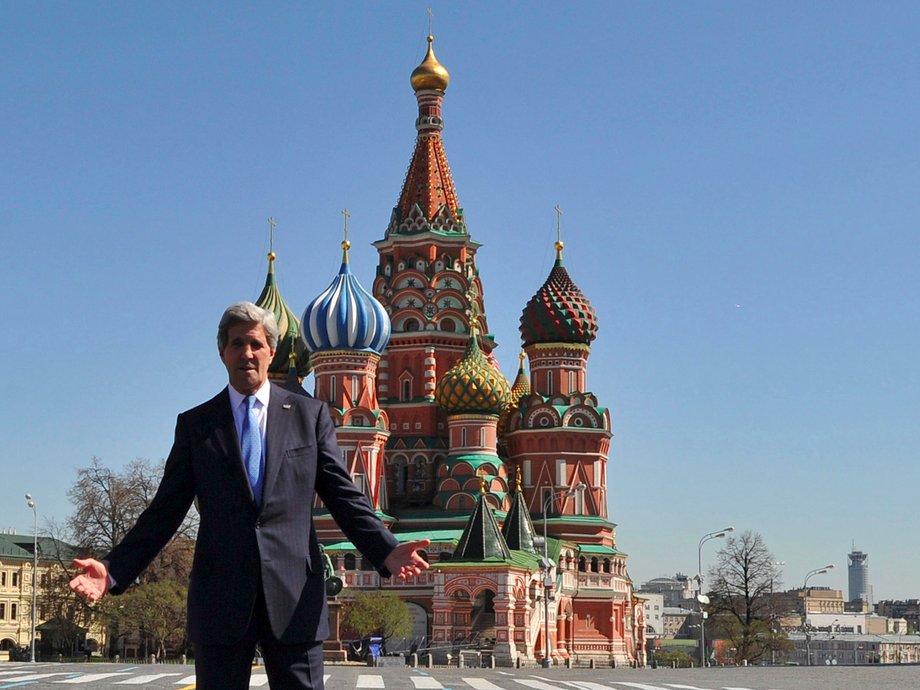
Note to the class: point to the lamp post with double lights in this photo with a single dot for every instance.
(548, 578)
(31, 504)
(806, 628)
(774, 567)
(702, 598)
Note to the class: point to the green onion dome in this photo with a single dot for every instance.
(289, 341)
(473, 385)
(559, 312)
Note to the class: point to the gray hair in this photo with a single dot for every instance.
(247, 312)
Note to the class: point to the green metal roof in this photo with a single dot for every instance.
(441, 536)
(519, 559)
(597, 548)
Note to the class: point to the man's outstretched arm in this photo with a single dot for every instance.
(404, 561)
(93, 582)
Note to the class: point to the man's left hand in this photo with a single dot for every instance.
(404, 561)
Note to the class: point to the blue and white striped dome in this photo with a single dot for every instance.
(345, 316)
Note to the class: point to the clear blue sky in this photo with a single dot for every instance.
(740, 185)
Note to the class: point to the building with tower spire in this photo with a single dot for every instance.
(508, 480)
(858, 577)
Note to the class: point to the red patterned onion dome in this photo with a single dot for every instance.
(473, 385)
(559, 312)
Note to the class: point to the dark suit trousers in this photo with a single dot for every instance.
(289, 667)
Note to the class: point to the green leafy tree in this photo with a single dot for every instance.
(156, 611)
(381, 614)
(741, 597)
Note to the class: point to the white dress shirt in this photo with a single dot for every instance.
(238, 405)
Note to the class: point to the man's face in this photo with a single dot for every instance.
(247, 356)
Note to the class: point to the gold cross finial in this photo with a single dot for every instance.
(472, 310)
(559, 244)
(345, 243)
(271, 238)
(430, 13)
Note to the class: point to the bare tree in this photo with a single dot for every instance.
(107, 504)
(744, 579)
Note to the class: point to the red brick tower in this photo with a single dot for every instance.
(427, 271)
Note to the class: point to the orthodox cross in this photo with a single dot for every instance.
(346, 215)
(271, 233)
(558, 210)
(430, 13)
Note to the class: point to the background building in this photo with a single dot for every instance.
(858, 577)
(57, 625)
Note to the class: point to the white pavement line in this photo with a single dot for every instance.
(326, 677)
(588, 685)
(538, 684)
(425, 683)
(33, 676)
(140, 680)
(481, 684)
(257, 680)
(638, 686)
(186, 680)
(683, 687)
(734, 688)
(368, 681)
(91, 678)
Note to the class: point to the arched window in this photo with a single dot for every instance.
(332, 389)
(594, 564)
(549, 383)
(406, 390)
(463, 437)
(349, 561)
(354, 390)
(581, 565)
(410, 325)
(448, 325)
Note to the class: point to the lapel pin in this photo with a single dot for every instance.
(286, 406)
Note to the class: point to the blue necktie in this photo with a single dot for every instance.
(251, 447)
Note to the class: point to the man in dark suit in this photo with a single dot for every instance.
(252, 458)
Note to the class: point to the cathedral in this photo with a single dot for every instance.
(507, 479)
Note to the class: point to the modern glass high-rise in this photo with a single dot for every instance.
(858, 572)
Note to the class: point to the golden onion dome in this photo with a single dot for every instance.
(431, 74)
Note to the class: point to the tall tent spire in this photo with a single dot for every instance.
(428, 199)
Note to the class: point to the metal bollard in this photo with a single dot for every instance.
(117, 657)
(183, 660)
(413, 660)
(153, 659)
(592, 664)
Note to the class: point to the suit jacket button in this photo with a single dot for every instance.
(258, 524)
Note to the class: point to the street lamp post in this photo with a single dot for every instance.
(701, 598)
(805, 626)
(547, 580)
(773, 566)
(31, 504)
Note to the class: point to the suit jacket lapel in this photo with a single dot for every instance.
(275, 437)
(227, 440)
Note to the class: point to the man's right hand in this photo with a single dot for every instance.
(93, 582)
